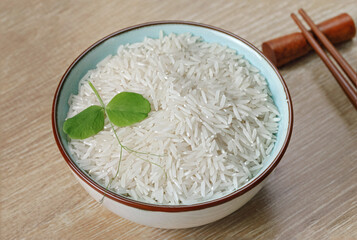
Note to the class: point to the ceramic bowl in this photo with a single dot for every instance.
(172, 216)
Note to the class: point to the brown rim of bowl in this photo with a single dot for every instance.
(170, 208)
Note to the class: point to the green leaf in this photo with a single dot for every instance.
(86, 123)
(127, 108)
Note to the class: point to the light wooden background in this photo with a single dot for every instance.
(311, 195)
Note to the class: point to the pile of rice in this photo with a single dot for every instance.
(213, 121)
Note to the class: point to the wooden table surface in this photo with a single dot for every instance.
(311, 195)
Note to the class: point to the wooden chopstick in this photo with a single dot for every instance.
(342, 81)
(332, 50)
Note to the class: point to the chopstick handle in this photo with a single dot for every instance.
(335, 54)
(345, 85)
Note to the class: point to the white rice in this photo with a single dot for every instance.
(212, 119)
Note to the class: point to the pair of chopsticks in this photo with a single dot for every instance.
(345, 84)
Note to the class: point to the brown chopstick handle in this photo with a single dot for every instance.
(342, 81)
(290, 47)
(328, 45)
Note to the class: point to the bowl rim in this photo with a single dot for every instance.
(158, 207)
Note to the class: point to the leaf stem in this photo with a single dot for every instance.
(158, 165)
(116, 136)
(144, 153)
(121, 145)
(97, 94)
(116, 174)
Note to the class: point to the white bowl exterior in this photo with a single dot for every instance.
(173, 220)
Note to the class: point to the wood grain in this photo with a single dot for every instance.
(311, 195)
